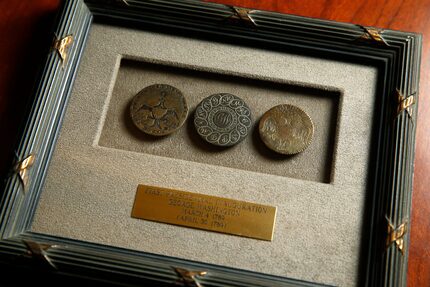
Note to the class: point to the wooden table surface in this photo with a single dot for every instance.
(24, 32)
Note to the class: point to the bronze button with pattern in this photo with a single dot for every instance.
(159, 110)
(286, 129)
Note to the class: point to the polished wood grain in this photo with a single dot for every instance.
(24, 31)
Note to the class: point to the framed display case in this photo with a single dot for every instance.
(85, 194)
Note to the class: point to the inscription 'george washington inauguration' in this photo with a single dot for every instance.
(204, 212)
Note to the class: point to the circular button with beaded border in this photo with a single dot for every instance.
(223, 119)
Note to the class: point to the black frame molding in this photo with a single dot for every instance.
(396, 53)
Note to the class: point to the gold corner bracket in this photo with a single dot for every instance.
(373, 35)
(62, 47)
(38, 251)
(243, 15)
(22, 169)
(188, 278)
(125, 2)
(395, 235)
(405, 103)
(117, 2)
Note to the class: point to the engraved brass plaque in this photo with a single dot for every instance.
(204, 212)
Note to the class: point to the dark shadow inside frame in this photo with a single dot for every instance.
(367, 223)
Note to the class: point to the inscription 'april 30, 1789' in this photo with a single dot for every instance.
(204, 212)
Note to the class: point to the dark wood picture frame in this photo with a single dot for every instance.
(397, 54)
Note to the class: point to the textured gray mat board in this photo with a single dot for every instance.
(317, 224)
